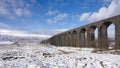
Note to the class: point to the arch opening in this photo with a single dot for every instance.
(92, 39)
(96, 36)
(111, 36)
(69, 39)
(108, 31)
(62, 40)
(83, 37)
(74, 39)
(65, 39)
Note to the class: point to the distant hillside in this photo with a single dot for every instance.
(14, 38)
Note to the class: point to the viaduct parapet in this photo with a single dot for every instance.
(84, 36)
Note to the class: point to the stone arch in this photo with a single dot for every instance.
(62, 39)
(58, 38)
(82, 37)
(54, 38)
(91, 36)
(51, 40)
(65, 39)
(74, 38)
(69, 39)
(111, 36)
(104, 34)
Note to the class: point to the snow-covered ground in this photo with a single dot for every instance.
(35, 55)
(6, 42)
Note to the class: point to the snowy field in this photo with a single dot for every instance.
(34, 55)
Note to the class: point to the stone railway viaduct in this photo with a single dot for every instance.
(84, 36)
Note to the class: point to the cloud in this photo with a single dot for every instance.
(4, 11)
(53, 32)
(57, 18)
(61, 30)
(84, 16)
(42, 34)
(12, 8)
(19, 33)
(3, 25)
(18, 12)
(104, 12)
(61, 16)
(50, 21)
(22, 12)
(52, 12)
(57, 31)
(27, 12)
